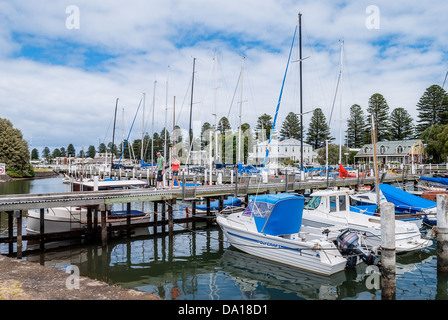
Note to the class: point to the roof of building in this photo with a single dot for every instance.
(286, 142)
(388, 148)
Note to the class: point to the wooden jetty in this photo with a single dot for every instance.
(98, 202)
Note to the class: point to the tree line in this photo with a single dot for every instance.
(431, 126)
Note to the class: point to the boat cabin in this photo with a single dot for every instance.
(276, 214)
(108, 184)
(330, 200)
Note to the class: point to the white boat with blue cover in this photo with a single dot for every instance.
(271, 228)
(405, 202)
(328, 208)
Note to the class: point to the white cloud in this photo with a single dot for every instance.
(64, 96)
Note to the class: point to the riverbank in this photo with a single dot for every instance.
(23, 280)
(38, 174)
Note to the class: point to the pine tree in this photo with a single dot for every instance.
(380, 110)
(432, 108)
(71, 152)
(46, 152)
(264, 123)
(223, 125)
(356, 127)
(91, 152)
(401, 125)
(34, 154)
(290, 127)
(318, 130)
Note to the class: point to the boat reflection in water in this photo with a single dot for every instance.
(201, 265)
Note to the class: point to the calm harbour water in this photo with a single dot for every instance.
(201, 265)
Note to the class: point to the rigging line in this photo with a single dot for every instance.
(107, 131)
(183, 103)
(234, 93)
(124, 148)
(279, 99)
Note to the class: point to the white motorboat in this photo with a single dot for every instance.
(405, 203)
(63, 219)
(328, 208)
(271, 228)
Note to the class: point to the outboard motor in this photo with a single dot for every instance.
(348, 243)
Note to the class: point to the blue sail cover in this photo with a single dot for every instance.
(214, 205)
(435, 179)
(278, 214)
(404, 200)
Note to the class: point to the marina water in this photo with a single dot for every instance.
(200, 265)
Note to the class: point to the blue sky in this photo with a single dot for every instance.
(59, 85)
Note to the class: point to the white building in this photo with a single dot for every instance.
(279, 151)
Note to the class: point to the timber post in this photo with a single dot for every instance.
(388, 254)
(442, 233)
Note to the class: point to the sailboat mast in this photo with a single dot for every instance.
(301, 100)
(143, 126)
(375, 162)
(241, 108)
(340, 106)
(190, 132)
(174, 124)
(166, 112)
(113, 138)
(153, 107)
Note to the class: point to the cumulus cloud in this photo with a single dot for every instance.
(59, 86)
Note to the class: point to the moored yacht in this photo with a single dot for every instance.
(328, 208)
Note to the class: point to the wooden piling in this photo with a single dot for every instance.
(156, 208)
(103, 225)
(42, 229)
(128, 219)
(170, 217)
(89, 223)
(18, 214)
(442, 233)
(163, 215)
(388, 259)
(193, 212)
(10, 232)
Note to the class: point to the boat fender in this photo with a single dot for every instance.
(348, 243)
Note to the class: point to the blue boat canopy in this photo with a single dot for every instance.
(214, 205)
(435, 179)
(405, 200)
(277, 214)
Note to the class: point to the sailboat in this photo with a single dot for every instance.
(271, 227)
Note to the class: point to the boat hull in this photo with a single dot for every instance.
(406, 240)
(292, 252)
(71, 219)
